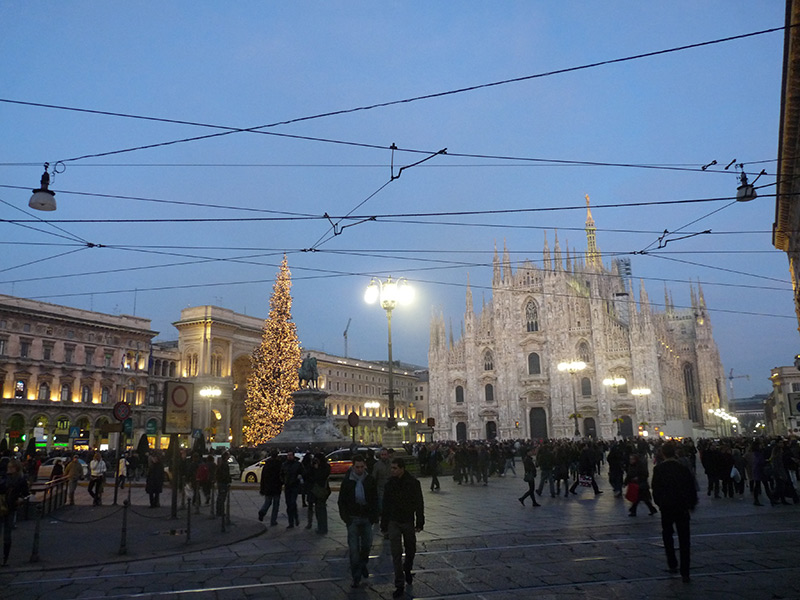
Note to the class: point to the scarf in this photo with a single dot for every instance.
(361, 496)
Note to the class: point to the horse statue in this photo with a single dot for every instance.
(308, 373)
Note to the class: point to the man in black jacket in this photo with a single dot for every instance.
(675, 493)
(270, 487)
(358, 508)
(403, 516)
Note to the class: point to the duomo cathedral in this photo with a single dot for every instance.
(501, 379)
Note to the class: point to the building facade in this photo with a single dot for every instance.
(501, 378)
(62, 370)
(782, 407)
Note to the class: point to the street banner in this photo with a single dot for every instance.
(178, 406)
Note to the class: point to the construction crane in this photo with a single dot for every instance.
(345, 336)
(731, 377)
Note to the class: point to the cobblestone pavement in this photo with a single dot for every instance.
(478, 543)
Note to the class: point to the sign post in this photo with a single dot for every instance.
(352, 420)
(178, 408)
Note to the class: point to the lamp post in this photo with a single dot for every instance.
(615, 382)
(643, 392)
(389, 293)
(374, 405)
(573, 368)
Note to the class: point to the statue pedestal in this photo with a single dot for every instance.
(310, 425)
(393, 438)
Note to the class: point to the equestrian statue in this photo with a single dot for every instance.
(308, 373)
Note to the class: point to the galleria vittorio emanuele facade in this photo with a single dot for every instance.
(501, 377)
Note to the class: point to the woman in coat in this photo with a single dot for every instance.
(638, 474)
(155, 480)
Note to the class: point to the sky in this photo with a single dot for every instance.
(332, 87)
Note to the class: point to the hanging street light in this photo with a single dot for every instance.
(43, 198)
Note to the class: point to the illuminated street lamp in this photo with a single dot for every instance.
(389, 293)
(573, 368)
(374, 405)
(643, 392)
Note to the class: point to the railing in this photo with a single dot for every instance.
(49, 495)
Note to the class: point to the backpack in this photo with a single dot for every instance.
(202, 473)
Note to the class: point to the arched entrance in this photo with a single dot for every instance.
(461, 432)
(589, 428)
(538, 423)
(626, 427)
(491, 430)
(15, 431)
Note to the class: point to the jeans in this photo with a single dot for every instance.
(359, 543)
(291, 506)
(96, 489)
(73, 484)
(321, 512)
(547, 475)
(402, 535)
(273, 501)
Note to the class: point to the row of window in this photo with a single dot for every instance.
(45, 393)
(129, 360)
(534, 360)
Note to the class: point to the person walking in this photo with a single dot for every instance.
(675, 493)
(434, 461)
(97, 476)
(358, 508)
(530, 478)
(546, 459)
(318, 493)
(13, 487)
(154, 484)
(270, 487)
(292, 479)
(122, 471)
(223, 483)
(638, 474)
(403, 517)
(73, 472)
(586, 468)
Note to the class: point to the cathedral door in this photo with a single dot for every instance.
(626, 427)
(491, 430)
(461, 432)
(538, 422)
(589, 428)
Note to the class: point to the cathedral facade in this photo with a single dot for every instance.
(501, 379)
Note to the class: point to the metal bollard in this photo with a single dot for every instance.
(35, 550)
(189, 523)
(123, 544)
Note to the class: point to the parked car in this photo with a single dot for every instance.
(252, 474)
(342, 459)
(46, 468)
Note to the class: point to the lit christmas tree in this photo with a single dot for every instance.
(275, 363)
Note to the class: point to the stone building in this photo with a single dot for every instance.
(360, 386)
(501, 378)
(62, 370)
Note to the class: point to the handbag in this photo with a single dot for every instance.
(735, 475)
(585, 480)
(529, 476)
(632, 493)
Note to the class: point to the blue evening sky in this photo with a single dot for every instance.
(248, 64)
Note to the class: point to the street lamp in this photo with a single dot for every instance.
(374, 405)
(573, 368)
(389, 293)
(643, 392)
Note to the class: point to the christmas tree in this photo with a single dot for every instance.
(275, 363)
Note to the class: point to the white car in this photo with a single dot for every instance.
(46, 468)
(252, 474)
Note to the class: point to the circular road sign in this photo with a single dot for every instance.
(122, 410)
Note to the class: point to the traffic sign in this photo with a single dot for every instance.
(127, 426)
(122, 410)
(74, 431)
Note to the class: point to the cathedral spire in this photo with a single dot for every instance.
(559, 266)
(495, 268)
(506, 265)
(469, 297)
(593, 258)
(546, 254)
(569, 258)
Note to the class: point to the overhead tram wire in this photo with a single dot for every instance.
(257, 129)
(40, 260)
(394, 216)
(332, 274)
(37, 219)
